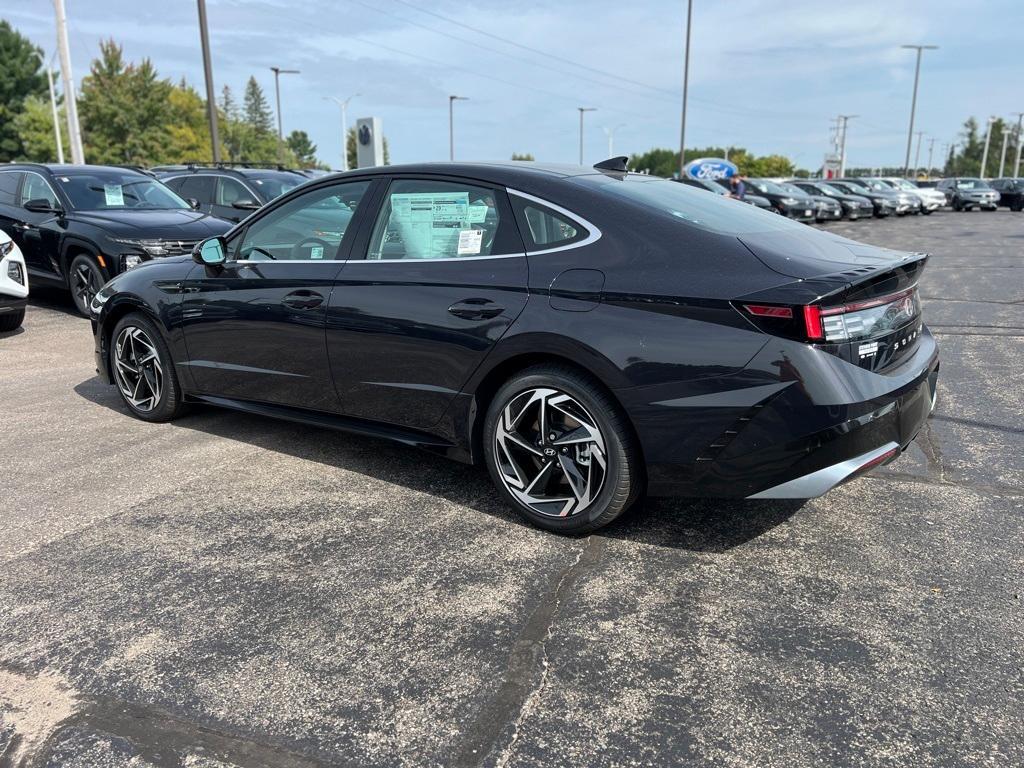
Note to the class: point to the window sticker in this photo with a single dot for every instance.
(469, 242)
(114, 195)
(477, 214)
(316, 252)
(430, 223)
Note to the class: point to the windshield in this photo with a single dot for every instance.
(710, 212)
(275, 186)
(113, 190)
(794, 190)
(972, 184)
(904, 184)
(831, 191)
(766, 187)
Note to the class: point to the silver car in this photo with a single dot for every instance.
(966, 193)
(931, 199)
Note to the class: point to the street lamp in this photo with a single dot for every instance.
(343, 103)
(984, 155)
(211, 100)
(53, 105)
(1020, 140)
(913, 103)
(610, 133)
(277, 93)
(686, 83)
(451, 124)
(582, 110)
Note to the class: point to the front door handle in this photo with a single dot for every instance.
(303, 300)
(476, 309)
(19, 225)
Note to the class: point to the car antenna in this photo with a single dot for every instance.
(613, 164)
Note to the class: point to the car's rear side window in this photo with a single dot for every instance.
(8, 186)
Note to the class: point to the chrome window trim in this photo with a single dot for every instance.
(214, 176)
(382, 261)
(594, 234)
(46, 181)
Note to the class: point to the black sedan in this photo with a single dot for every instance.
(883, 203)
(1011, 193)
(825, 208)
(853, 206)
(786, 202)
(79, 225)
(588, 334)
(718, 189)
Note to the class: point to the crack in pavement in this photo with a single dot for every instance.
(978, 424)
(995, 490)
(526, 676)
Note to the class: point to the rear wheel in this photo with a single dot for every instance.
(84, 280)
(143, 369)
(560, 451)
(12, 320)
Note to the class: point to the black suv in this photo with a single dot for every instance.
(227, 191)
(1011, 193)
(79, 225)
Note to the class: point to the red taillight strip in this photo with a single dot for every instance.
(867, 304)
(768, 310)
(812, 322)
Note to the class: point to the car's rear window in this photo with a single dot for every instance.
(711, 212)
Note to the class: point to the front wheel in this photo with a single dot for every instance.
(560, 451)
(12, 320)
(143, 370)
(84, 280)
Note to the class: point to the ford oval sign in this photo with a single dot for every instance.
(710, 169)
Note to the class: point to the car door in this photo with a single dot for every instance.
(38, 233)
(433, 285)
(254, 326)
(198, 187)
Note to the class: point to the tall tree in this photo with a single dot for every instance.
(304, 150)
(256, 110)
(21, 76)
(34, 128)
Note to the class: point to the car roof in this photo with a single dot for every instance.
(67, 169)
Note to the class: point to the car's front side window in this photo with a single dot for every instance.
(229, 191)
(427, 219)
(310, 227)
(36, 188)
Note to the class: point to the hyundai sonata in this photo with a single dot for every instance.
(587, 333)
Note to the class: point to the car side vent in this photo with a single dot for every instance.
(720, 443)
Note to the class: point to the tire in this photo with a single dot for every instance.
(957, 206)
(514, 458)
(925, 212)
(85, 278)
(145, 368)
(12, 320)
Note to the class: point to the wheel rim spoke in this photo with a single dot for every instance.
(550, 452)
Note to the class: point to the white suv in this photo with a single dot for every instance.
(931, 199)
(13, 284)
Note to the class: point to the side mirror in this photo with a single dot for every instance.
(245, 203)
(211, 252)
(192, 203)
(41, 205)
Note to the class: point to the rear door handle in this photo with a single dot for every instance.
(476, 309)
(303, 300)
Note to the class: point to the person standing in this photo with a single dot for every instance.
(738, 189)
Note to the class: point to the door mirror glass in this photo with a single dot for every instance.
(210, 253)
(245, 203)
(39, 205)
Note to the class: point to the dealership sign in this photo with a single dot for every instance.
(710, 169)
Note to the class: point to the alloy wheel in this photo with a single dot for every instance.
(85, 283)
(550, 452)
(137, 369)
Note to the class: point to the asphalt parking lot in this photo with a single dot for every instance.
(233, 591)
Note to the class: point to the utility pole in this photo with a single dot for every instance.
(841, 127)
(610, 133)
(1002, 156)
(343, 103)
(984, 155)
(582, 110)
(211, 97)
(913, 102)
(1020, 140)
(931, 149)
(686, 83)
(451, 124)
(917, 155)
(277, 93)
(70, 104)
(53, 105)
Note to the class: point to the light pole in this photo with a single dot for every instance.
(686, 83)
(53, 105)
(277, 93)
(1020, 140)
(913, 102)
(343, 103)
(451, 124)
(70, 104)
(610, 133)
(843, 119)
(1002, 155)
(582, 110)
(984, 155)
(917, 154)
(211, 102)
(931, 149)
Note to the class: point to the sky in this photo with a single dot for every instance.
(768, 75)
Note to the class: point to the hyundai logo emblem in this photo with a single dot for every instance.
(549, 452)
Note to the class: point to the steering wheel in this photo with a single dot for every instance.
(297, 248)
(261, 252)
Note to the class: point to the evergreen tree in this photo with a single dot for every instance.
(303, 149)
(34, 128)
(21, 76)
(255, 108)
